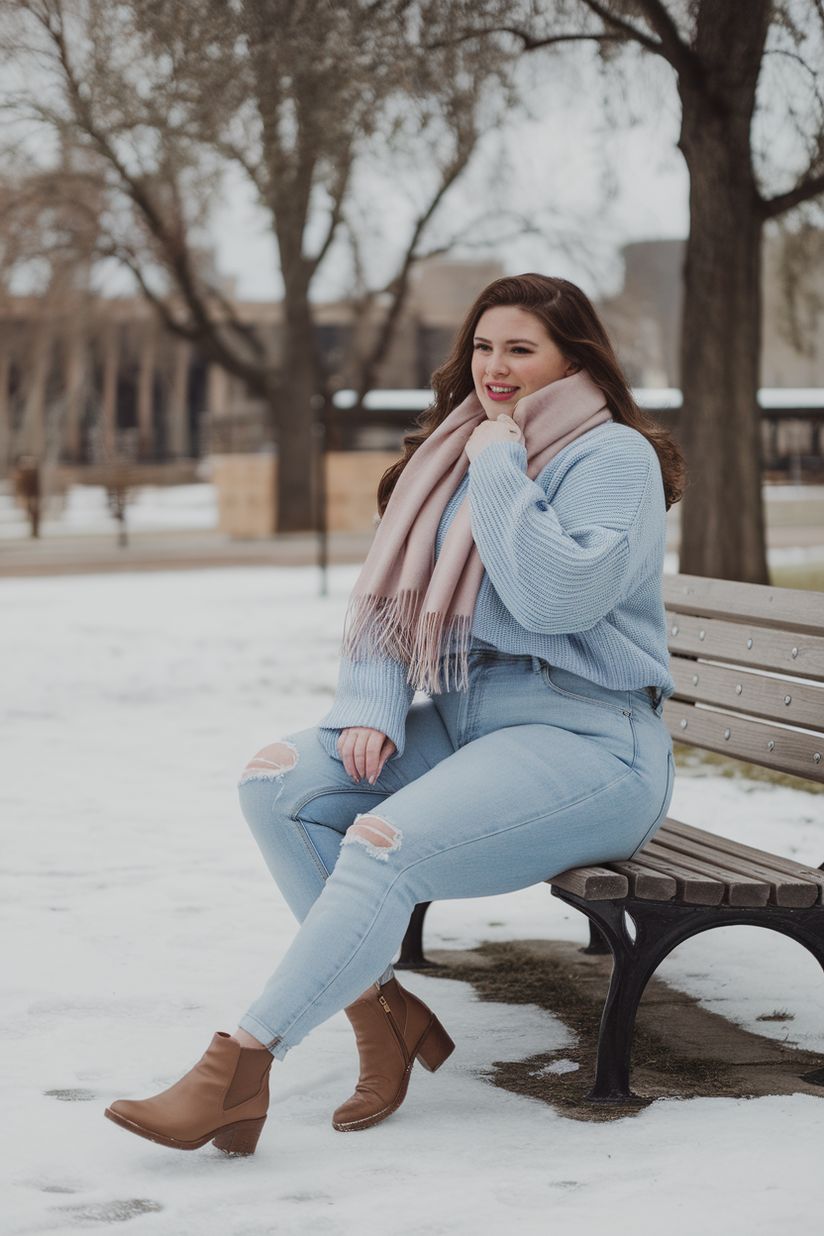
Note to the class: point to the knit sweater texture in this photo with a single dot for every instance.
(573, 563)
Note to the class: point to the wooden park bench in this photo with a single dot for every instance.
(748, 666)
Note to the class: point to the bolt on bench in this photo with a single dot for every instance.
(748, 666)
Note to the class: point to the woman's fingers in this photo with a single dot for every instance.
(371, 755)
(388, 748)
(378, 751)
(359, 755)
(348, 750)
(364, 752)
(504, 429)
(346, 747)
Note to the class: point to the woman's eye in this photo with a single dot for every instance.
(481, 347)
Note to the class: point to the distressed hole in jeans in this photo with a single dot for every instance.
(271, 762)
(378, 837)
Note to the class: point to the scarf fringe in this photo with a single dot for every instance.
(381, 626)
(435, 646)
(440, 656)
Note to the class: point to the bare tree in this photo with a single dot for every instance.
(750, 78)
(164, 95)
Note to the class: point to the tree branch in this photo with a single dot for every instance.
(530, 42)
(230, 151)
(808, 187)
(399, 286)
(669, 45)
(336, 213)
(626, 28)
(208, 341)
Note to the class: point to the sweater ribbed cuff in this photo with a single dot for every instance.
(372, 694)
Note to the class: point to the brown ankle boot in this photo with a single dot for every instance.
(392, 1028)
(223, 1099)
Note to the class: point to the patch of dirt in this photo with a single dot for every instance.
(680, 1050)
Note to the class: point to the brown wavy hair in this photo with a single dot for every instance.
(572, 323)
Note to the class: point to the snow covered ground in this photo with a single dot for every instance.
(139, 918)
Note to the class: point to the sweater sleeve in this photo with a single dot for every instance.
(372, 693)
(559, 567)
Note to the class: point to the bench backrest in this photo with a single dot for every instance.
(748, 666)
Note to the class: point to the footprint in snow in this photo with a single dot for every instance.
(108, 1212)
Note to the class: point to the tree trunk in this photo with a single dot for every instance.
(722, 522)
(297, 499)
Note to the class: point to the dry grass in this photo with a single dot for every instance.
(810, 577)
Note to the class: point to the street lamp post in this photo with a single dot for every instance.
(319, 431)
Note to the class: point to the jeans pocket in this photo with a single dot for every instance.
(584, 693)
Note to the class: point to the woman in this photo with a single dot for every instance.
(516, 579)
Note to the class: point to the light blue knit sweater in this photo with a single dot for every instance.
(573, 573)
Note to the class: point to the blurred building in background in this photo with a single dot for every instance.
(86, 381)
(644, 319)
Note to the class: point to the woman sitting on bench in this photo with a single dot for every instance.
(515, 578)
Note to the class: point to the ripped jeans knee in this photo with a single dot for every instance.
(270, 763)
(378, 836)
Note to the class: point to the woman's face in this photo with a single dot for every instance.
(513, 356)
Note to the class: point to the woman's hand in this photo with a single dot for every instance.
(364, 752)
(503, 429)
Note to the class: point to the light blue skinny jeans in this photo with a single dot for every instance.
(531, 771)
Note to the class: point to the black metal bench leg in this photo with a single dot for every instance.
(631, 971)
(412, 957)
(635, 958)
(597, 946)
(659, 928)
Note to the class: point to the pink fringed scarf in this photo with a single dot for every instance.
(404, 604)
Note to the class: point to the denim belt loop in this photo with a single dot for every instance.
(656, 695)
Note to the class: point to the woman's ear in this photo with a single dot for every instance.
(571, 369)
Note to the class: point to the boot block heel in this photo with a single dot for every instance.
(436, 1046)
(240, 1138)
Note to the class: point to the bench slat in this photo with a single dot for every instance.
(746, 643)
(784, 890)
(692, 888)
(645, 883)
(748, 692)
(674, 828)
(592, 883)
(743, 739)
(738, 890)
(793, 608)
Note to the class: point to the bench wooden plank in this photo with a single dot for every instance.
(794, 703)
(746, 643)
(794, 608)
(645, 883)
(738, 890)
(784, 890)
(790, 751)
(692, 888)
(592, 883)
(674, 828)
